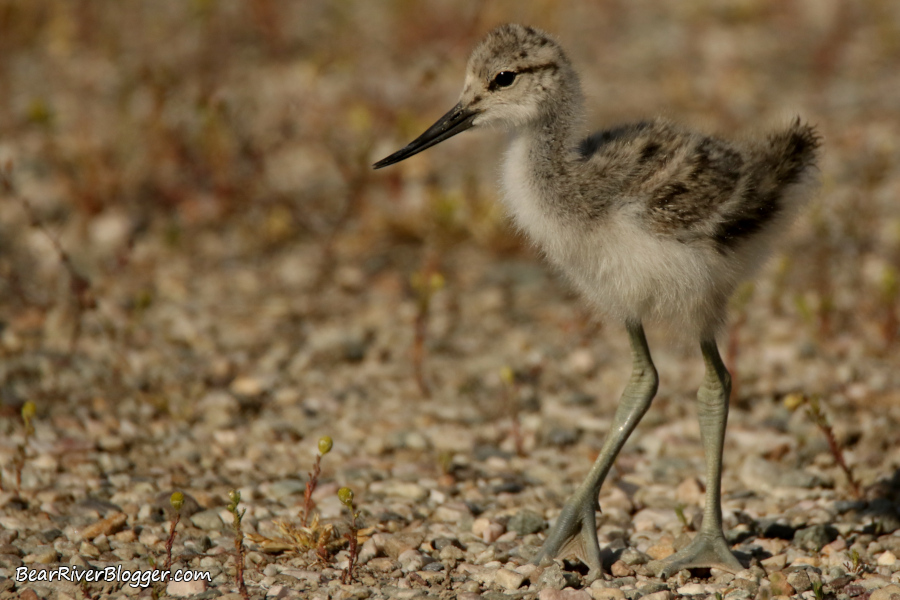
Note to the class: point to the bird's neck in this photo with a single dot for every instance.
(546, 155)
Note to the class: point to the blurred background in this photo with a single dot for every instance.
(188, 203)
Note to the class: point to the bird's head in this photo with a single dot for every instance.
(516, 77)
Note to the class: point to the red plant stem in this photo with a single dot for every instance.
(239, 566)
(311, 484)
(171, 540)
(839, 456)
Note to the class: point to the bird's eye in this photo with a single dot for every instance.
(504, 78)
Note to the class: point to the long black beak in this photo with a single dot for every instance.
(456, 121)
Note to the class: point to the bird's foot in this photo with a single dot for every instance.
(705, 551)
(575, 534)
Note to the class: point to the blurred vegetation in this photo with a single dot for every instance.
(132, 125)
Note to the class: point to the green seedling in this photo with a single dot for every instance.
(856, 566)
(21, 455)
(818, 588)
(235, 497)
(325, 445)
(425, 283)
(510, 403)
(176, 501)
(345, 495)
(679, 512)
(890, 292)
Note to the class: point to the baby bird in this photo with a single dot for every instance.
(650, 221)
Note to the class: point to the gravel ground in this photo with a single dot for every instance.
(228, 287)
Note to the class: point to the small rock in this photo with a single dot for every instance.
(44, 555)
(887, 559)
(284, 488)
(551, 578)
(10, 561)
(780, 585)
(107, 526)
(277, 592)
(888, 592)
(207, 520)
(661, 595)
(692, 589)
(247, 386)
(799, 580)
(660, 551)
(383, 564)
(633, 556)
(508, 580)
(552, 594)
(774, 563)
(479, 525)
(400, 489)
(89, 550)
(185, 588)
(411, 560)
(605, 593)
(396, 544)
(620, 569)
(526, 522)
(451, 554)
(815, 537)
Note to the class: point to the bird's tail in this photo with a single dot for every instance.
(789, 153)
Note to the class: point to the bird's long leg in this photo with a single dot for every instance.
(709, 548)
(576, 528)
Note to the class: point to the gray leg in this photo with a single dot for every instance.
(709, 548)
(576, 528)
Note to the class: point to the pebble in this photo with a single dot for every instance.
(508, 580)
(815, 537)
(620, 569)
(661, 551)
(394, 545)
(551, 577)
(692, 589)
(411, 560)
(492, 532)
(632, 556)
(553, 594)
(888, 592)
(400, 489)
(887, 559)
(598, 592)
(183, 589)
(207, 520)
(107, 526)
(526, 522)
(286, 487)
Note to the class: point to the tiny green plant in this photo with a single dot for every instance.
(235, 497)
(425, 283)
(856, 566)
(29, 410)
(345, 495)
(176, 501)
(818, 416)
(818, 588)
(890, 293)
(511, 407)
(679, 512)
(325, 445)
